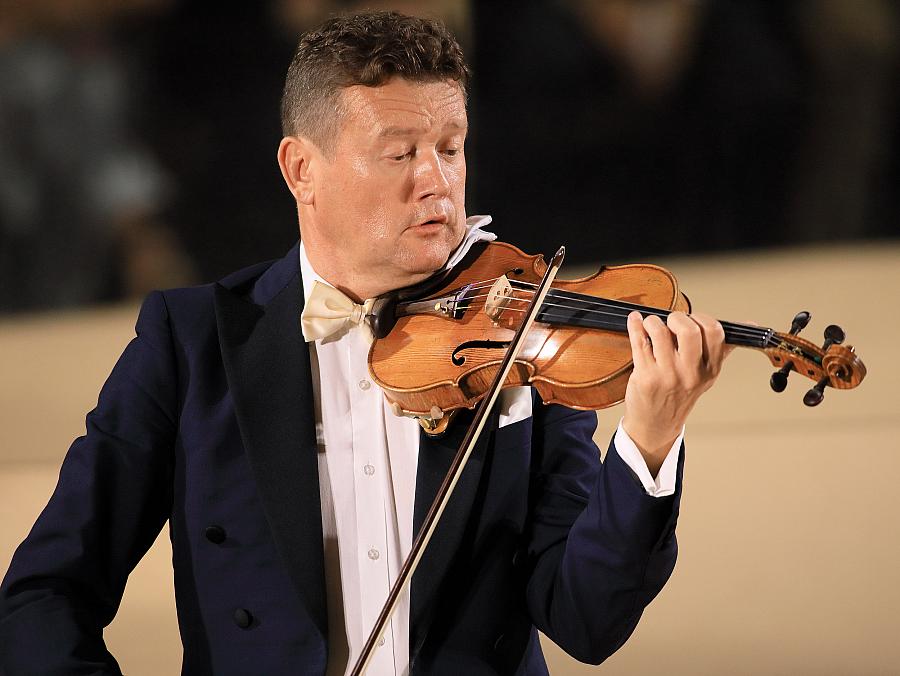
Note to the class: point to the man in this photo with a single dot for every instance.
(291, 489)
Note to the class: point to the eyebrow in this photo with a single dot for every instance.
(409, 131)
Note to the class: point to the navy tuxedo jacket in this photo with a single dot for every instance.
(207, 421)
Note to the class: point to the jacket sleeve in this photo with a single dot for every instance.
(114, 493)
(600, 547)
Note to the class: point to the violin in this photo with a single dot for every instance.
(438, 345)
(500, 319)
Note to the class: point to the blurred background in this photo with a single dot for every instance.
(138, 137)
(751, 146)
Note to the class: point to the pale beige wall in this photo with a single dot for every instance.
(790, 526)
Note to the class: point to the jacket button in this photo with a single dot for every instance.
(215, 534)
(243, 618)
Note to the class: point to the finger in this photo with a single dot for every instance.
(641, 350)
(689, 336)
(661, 340)
(715, 348)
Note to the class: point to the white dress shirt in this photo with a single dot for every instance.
(367, 475)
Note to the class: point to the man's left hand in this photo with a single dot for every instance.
(674, 363)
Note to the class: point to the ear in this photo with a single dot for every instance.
(296, 157)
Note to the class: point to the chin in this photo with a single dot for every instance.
(428, 257)
(424, 268)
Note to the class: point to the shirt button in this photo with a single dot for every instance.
(369, 470)
(373, 554)
(364, 384)
(381, 641)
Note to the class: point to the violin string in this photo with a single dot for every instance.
(602, 302)
(598, 302)
(600, 323)
(594, 301)
(588, 304)
(741, 329)
(737, 329)
(616, 313)
(587, 300)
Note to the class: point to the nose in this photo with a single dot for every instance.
(430, 178)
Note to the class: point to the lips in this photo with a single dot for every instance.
(432, 220)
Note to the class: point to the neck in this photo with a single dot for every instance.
(327, 265)
(574, 309)
(357, 284)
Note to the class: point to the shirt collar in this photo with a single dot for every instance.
(307, 274)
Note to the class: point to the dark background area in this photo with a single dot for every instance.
(138, 138)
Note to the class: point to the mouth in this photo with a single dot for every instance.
(440, 219)
(430, 226)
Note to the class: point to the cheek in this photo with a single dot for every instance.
(359, 170)
(349, 170)
(456, 175)
(353, 190)
(377, 223)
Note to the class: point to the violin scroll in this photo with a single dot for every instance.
(832, 365)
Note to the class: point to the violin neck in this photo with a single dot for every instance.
(566, 308)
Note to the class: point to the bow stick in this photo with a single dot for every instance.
(456, 467)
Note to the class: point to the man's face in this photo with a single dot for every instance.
(390, 199)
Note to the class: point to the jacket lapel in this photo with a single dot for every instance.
(435, 456)
(268, 370)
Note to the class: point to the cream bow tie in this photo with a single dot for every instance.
(327, 311)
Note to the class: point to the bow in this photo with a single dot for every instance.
(328, 311)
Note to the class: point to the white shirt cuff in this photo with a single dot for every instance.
(664, 484)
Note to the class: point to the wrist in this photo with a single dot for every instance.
(652, 442)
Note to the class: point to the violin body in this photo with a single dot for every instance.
(447, 359)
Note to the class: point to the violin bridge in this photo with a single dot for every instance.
(498, 298)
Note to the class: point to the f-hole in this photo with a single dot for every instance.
(459, 359)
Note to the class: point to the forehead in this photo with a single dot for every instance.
(404, 105)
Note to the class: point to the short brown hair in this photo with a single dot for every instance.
(363, 49)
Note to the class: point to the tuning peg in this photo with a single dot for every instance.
(834, 335)
(779, 379)
(801, 319)
(816, 394)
